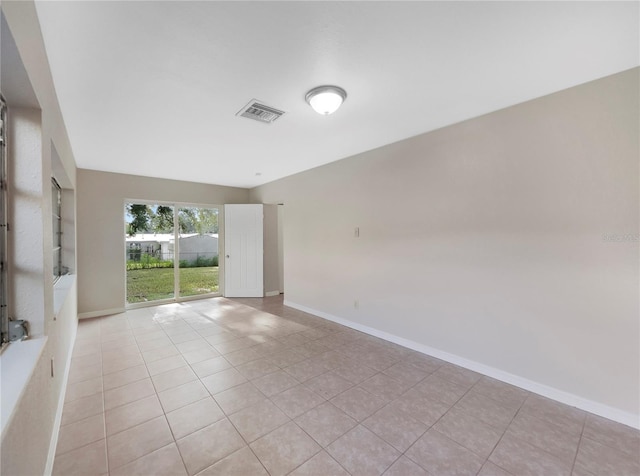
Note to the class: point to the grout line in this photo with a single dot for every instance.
(164, 414)
(575, 457)
(104, 411)
(504, 432)
(361, 341)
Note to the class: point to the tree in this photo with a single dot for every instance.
(162, 219)
(187, 220)
(159, 219)
(207, 221)
(141, 215)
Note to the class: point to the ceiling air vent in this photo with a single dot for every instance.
(259, 112)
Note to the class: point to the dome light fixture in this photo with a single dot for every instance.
(326, 100)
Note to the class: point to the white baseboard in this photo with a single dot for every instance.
(58, 420)
(561, 396)
(105, 312)
(272, 293)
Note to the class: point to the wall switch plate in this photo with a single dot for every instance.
(357, 232)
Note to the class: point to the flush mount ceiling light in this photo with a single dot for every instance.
(326, 99)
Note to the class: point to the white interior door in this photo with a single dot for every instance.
(243, 241)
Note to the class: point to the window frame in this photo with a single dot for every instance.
(56, 212)
(4, 228)
(177, 297)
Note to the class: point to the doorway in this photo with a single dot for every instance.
(171, 251)
(281, 248)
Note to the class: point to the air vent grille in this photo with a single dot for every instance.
(259, 112)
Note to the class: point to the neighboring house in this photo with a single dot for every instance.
(196, 246)
(162, 246)
(149, 243)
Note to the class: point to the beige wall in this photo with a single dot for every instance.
(100, 202)
(270, 255)
(484, 240)
(36, 131)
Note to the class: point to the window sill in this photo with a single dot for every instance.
(18, 361)
(61, 289)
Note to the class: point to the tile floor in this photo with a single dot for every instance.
(251, 387)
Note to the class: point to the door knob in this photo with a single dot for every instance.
(227, 256)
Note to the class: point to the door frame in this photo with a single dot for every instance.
(176, 253)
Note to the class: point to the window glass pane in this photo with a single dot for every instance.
(149, 252)
(56, 211)
(56, 262)
(54, 198)
(4, 301)
(198, 251)
(56, 231)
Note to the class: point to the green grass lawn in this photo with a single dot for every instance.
(157, 283)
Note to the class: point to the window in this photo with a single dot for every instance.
(4, 227)
(171, 251)
(56, 205)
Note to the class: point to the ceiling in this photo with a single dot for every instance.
(152, 88)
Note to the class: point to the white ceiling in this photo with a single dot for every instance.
(152, 88)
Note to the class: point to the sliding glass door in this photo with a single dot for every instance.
(171, 251)
(198, 243)
(149, 258)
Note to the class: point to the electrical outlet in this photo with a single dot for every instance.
(356, 304)
(357, 232)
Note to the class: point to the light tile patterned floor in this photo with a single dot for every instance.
(250, 387)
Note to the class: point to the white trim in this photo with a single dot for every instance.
(561, 396)
(61, 290)
(180, 300)
(176, 235)
(272, 293)
(105, 312)
(197, 297)
(176, 253)
(48, 469)
(142, 304)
